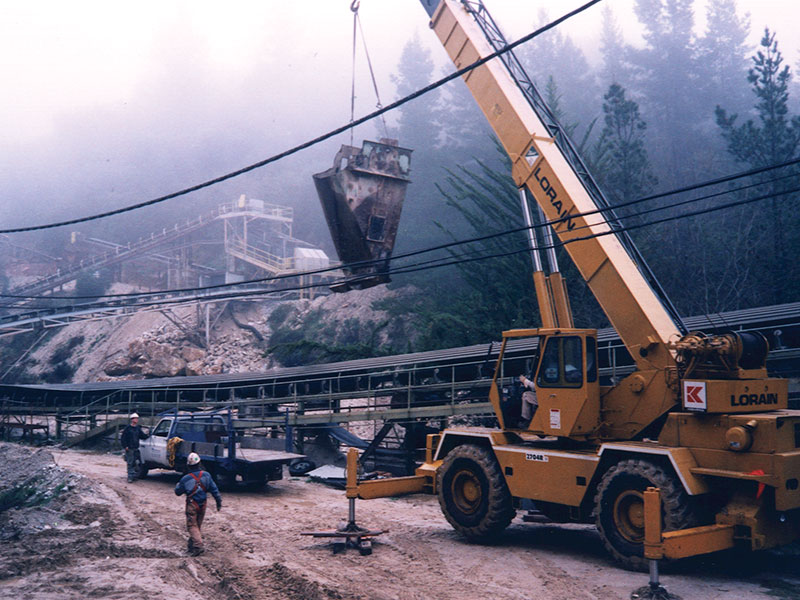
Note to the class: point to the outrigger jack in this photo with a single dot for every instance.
(350, 535)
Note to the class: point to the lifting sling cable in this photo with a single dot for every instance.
(354, 8)
(357, 27)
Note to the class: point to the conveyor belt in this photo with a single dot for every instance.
(342, 379)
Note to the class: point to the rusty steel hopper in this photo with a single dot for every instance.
(362, 197)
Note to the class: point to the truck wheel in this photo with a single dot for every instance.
(226, 480)
(473, 493)
(619, 508)
(301, 466)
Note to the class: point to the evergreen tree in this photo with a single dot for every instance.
(667, 78)
(722, 55)
(554, 55)
(465, 132)
(616, 68)
(777, 137)
(418, 128)
(627, 174)
(773, 139)
(418, 124)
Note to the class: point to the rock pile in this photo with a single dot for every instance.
(162, 353)
(32, 487)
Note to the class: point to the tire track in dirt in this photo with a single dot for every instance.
(255, 549)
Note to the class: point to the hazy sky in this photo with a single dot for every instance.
(59, 56)
(273, 73)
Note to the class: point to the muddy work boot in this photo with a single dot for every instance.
(190, 546)
(196, 551)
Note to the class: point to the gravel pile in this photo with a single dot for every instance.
(32, 490)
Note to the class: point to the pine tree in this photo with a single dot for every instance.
(465, 131)
(418, 128)
(615, 68)
(667, 79)
(722, 54)
(418, 124)
(627, 174)
(777, 137)
(773, 139)
(554, 55)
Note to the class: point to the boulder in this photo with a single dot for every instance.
(136, 349)
(121, 366)
(162, 360)
(192, 354)
(195, 367)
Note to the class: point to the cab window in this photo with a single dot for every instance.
(591, 359)
(573, 363)
(562, 363)
(162, 430)
(548, 371)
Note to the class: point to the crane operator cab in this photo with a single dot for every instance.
(563, 375)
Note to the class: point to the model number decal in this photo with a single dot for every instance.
(536, 457)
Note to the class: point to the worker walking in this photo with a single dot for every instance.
(196, 484)
(130, 442)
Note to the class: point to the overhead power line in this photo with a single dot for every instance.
(447, 245)
(314, 141)
(429, 264)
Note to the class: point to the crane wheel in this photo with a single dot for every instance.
(619, 508)
(473, 493)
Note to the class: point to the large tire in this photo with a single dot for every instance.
(619, 508)
(473, 493)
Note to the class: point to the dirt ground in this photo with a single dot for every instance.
(105, 538)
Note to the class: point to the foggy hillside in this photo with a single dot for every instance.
(189, 117)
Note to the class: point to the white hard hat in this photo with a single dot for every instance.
(134, 416)
(192, 459)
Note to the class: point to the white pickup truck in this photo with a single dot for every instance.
(219, 445)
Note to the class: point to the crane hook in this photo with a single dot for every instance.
(354, 5)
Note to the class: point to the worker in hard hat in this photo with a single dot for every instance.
(130, 443)
(196, 484)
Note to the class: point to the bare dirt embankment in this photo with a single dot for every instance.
(251, 336)
(101, 537)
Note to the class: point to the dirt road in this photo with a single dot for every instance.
(135, 544)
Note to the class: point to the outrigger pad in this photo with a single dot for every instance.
(651, 592)
(362, 197)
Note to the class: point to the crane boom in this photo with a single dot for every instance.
(644, 319)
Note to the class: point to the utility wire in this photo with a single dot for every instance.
(688, 188)
(440, 262)
(321, 138)
(447, 245)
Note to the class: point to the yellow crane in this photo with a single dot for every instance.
(699, 418)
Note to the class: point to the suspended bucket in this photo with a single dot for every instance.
(362, 198)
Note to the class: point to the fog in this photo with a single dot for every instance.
(110, 103)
